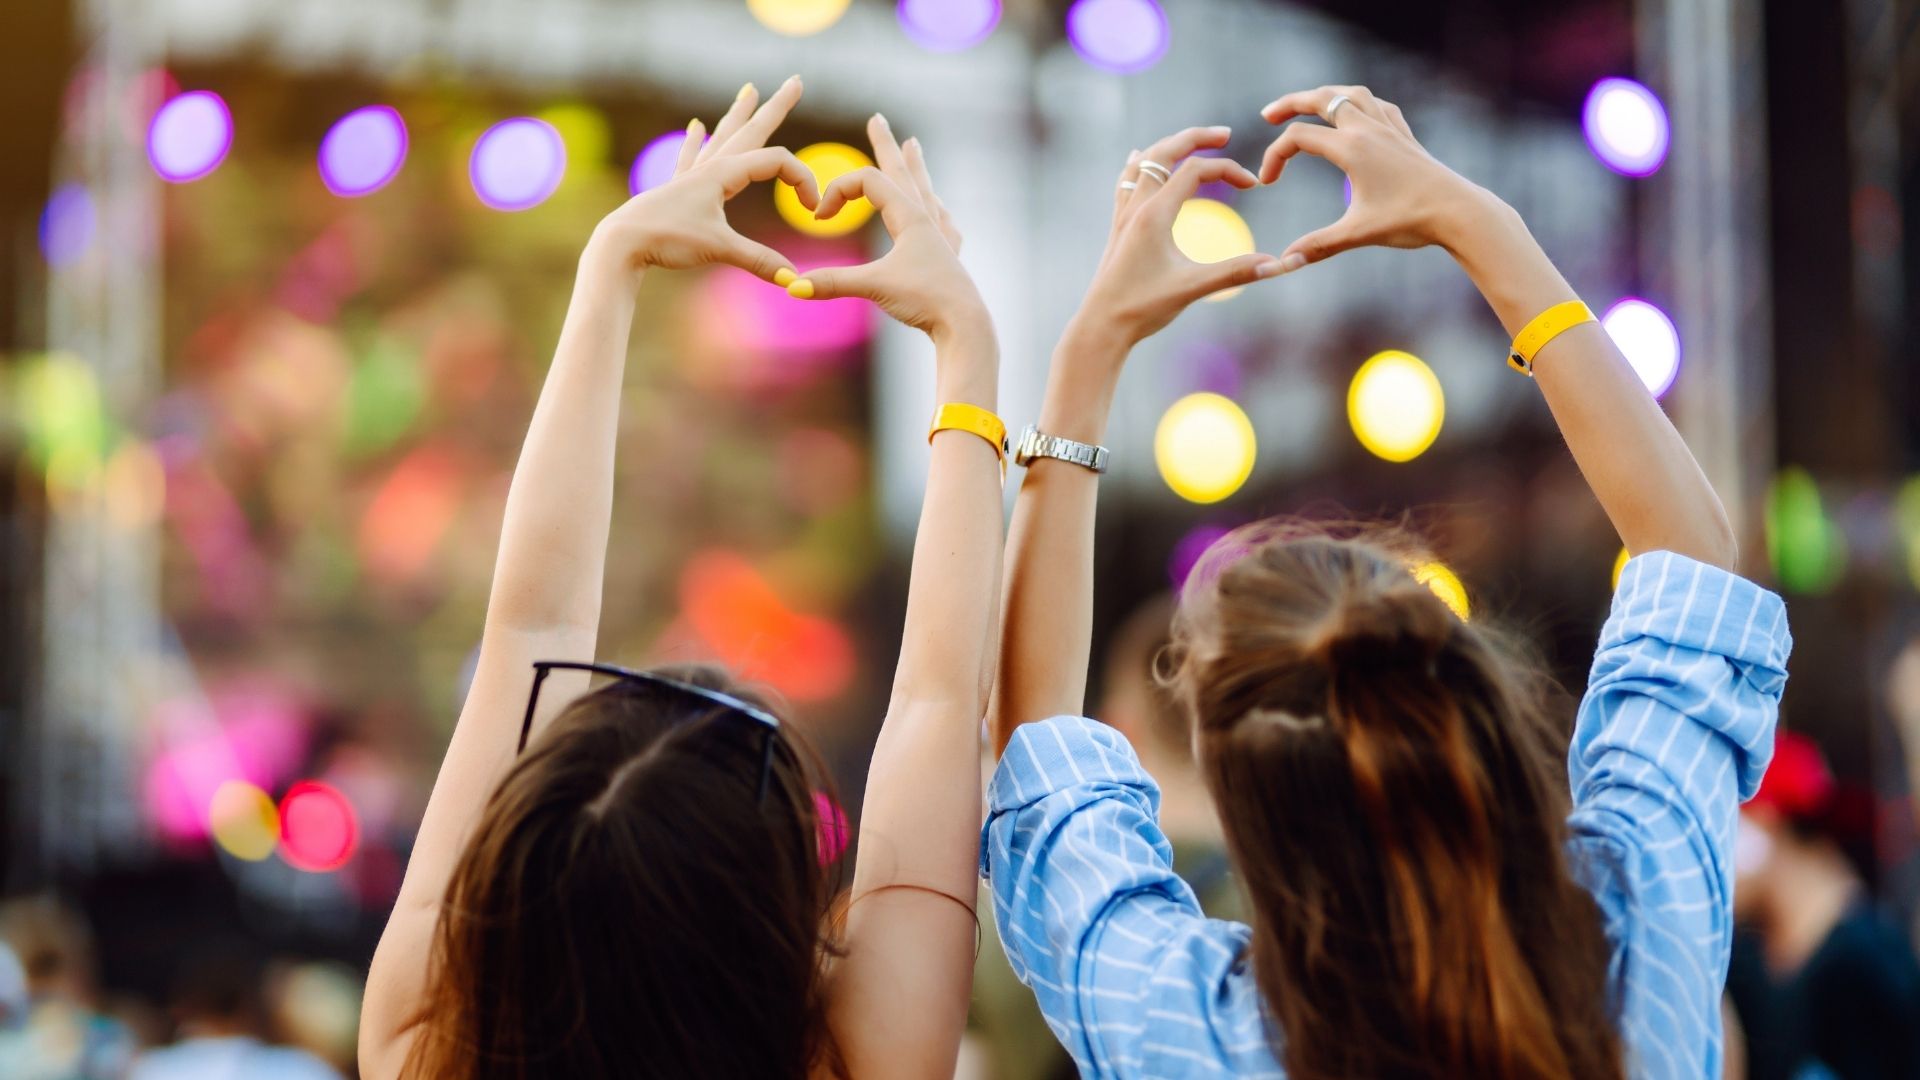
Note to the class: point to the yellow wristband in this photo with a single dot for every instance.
(959, 416)
(1545, 326)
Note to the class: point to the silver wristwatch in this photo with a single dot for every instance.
(1033, 444)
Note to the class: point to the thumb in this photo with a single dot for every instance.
(833, 282)
(1322, 243)
(757, 259)
(1209, 278)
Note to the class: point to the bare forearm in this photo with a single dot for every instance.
(1638, 466)
(553, 543)
(1047, 622)
(956, 549)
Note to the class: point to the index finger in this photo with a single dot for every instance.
(768, 163)
(898, 210)
(1196, 171)
(889, 157)
(1176, 147)
(756, 131)
(1311, 103)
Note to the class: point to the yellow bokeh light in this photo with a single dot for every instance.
(797, 18)
(584, 130)
(1396, 406)
(136, 485)
(1619, 567)
(1209, 231)
(829, 161)
(243, 821)
(1205, 448)
(1446, 585)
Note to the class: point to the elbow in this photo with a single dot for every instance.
(1722, 544)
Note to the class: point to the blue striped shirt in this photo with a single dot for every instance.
(1675, 729)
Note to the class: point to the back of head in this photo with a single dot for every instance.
(218, 989)
(1394, 797)
(53, 943)
(628, 907)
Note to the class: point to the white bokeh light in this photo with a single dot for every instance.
(1649, 341)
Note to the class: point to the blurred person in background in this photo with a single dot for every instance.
(1008, 1026)
(65, 1035)
(1146, 712)
(13, 990)
(219, 1022)
(1427, 900)
(1825, 984)
(316, 1007)
(634, 880)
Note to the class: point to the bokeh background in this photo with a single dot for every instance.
(279, 280)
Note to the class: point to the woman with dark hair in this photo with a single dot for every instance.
(1429, 898)
(629, 881)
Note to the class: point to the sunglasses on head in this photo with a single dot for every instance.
(730, 705)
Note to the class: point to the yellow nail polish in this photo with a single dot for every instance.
(784, 277)
(744, 91)
(801, 289)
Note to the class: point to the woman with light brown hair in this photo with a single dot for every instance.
(1430, 899)
(629, 881)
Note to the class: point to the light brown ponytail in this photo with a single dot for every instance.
(1393, 794)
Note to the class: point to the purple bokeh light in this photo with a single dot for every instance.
(949, 25)
(517, 163)
(1626, 126)
(363, 151)
(654, 164)
(1189, 549)
(1121, 36)
(1648, 339)
(190, 136)
(67, 225)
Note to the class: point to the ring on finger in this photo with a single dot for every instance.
(1128, 185)
(1334, 107)
(1156, 170)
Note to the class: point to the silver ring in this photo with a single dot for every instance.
(1334, 106)
(1155, 169)
(1128, 185)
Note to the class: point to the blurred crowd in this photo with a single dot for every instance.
(231, 1012)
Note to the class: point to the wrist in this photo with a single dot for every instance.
(609, 256)
(967, 370)
(1080, 388)
(1470, 218)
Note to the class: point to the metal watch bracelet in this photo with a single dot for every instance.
(1034, 444)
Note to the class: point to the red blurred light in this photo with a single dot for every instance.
(319, 830)
(731, 605)
(411, 513)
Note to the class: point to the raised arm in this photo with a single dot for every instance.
(545, 600)
(1647, 481)
(899, 996)
(1143, 282)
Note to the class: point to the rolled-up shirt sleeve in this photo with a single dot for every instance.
(1132, 978)
(1676, 728)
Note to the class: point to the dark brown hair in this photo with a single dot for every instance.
(1394, 793)
(626, 907)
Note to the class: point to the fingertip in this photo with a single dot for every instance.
(800, 289)
(1269, 267)
(1291, 261)
(784, 277)
(747, 90)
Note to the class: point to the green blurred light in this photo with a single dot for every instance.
(385, 396)
(1806, 548)
(57, 405)
(1906, 521)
